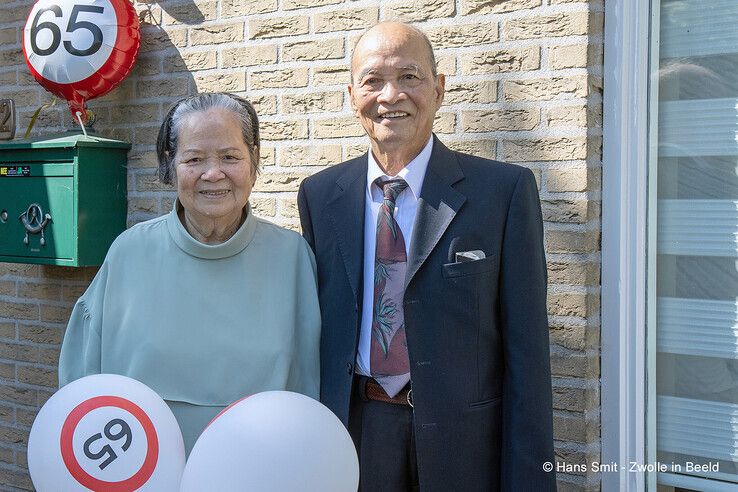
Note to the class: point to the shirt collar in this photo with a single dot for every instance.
(413, 173)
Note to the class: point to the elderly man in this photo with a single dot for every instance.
(432, 284)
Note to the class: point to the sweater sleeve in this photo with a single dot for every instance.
(81, 349)
(305, 373)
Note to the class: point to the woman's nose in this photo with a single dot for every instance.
(212, 172)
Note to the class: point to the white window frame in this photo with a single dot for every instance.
(624, 384)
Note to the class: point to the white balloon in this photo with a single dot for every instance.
(273, 441)
(105, 432)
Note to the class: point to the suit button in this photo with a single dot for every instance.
(350, 369)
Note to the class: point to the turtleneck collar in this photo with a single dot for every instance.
(234, 245)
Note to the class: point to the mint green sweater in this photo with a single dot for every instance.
(202, 325)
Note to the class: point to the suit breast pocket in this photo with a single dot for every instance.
(466, 268)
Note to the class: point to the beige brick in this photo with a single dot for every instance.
(545, 149)
(142, 160)
(219, 34)
(150, 182)
(304, 4)
(420, 10)
(145, 205)
(444, 123)
(482, 92)
(22, 98)
(278, 26)
(273, 182)
(270, 79)
(575, 399)
(324, 49)
(157, 39)
(546, 89)
(248, 56)
(571, 427)
(141, 135)
(574, 364)
(225, 82)
(264, 105)
(7, 288)
(14, 478)
(310, 155)
(7, 330)
(8, 78)
(240, 8)
(267, 156)
(355, 151)
(569, 179)
(38, 376)
(336, 75)
(19, 269)
(264, 207)
(55, 314)
(446, 64)
(18, 395)
(171, 87)
(40, 334)
(575, 116)
(13, 436)
(283, 130)
(191, 12)
(469, 7)
(288, 209)
(191, 61)
(17, 310)
(570, 56)
(572, 241)
(567, 211)
(476, 147)
(8, 36)
(507, 60)
(67, 273)
(46, 291)
(135, 113)
(339, 126)
(573, 272)
(11, 58)
(14, 14)
(147, 64)
(560, 24)
(345, 20)
(500, 120)
(567, 304)
(315, 102)
(462, 35)
(569, 337)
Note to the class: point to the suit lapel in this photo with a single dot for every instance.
(346, 210)
(438, 204)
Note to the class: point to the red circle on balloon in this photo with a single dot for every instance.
(112, 71)
(132, 483)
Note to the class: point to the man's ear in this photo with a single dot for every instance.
(350, 88)
(440, 89)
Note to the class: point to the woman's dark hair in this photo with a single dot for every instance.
(166, 143)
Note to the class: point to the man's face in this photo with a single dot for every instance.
(393, 91)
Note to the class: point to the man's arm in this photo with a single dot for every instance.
(527, 409)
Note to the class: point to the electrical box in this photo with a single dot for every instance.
(62, 199)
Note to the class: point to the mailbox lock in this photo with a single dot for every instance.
(34, 220)
(4, 216)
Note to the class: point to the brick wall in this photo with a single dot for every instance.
(524, 85)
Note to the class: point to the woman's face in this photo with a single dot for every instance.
(214, 171)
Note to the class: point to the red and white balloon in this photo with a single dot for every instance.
(81, 49)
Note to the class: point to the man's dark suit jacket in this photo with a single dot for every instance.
(477, 332)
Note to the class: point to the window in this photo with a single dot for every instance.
(694, 298)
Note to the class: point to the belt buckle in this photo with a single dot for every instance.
(409, 398)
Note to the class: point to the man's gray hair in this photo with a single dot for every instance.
(167, 141)
(423, 36)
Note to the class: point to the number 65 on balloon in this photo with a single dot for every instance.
(81, 49)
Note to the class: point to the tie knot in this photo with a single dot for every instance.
(392, 188)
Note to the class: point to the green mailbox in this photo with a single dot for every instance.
(62, 200)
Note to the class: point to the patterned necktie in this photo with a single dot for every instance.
(390, 364)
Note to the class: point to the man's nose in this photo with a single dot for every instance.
(391, 92)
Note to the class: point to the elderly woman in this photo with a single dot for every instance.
(207, 303)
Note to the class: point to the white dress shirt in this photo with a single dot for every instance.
(406, 207)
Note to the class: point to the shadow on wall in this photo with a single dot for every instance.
(134, 111)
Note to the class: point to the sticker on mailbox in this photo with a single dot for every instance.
(14, 171)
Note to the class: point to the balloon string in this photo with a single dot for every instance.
(78, 114)
(35, 116)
